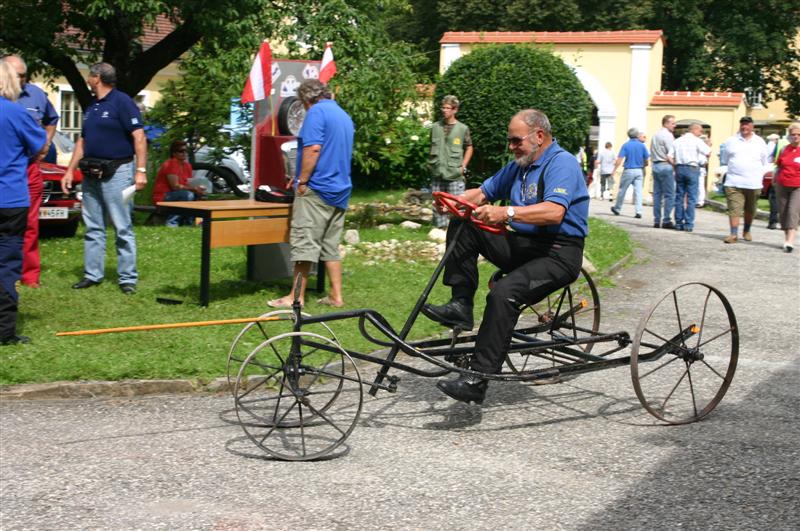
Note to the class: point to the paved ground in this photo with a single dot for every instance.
(579, 455)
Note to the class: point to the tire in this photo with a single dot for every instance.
(290, 116)
(223, 179)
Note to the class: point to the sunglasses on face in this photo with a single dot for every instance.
(180, 150)
(516, 141)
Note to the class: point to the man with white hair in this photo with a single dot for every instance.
(635, 157)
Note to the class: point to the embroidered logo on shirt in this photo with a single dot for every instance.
(134, 121)
(560, 191)
(456, 141)
(104, 115)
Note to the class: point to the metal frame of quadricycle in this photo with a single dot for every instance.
(557, 337)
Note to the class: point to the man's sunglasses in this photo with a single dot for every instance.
(516, 141)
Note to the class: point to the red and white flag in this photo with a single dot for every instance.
(328, 67)
(259, 84)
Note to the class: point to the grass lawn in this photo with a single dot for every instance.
(169, 262)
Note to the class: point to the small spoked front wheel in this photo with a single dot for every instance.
(684, 353)
(298, 396)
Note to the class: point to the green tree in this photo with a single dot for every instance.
(63, 34)
(375, 76)
(494, 82)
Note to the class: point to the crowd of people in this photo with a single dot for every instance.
(679, 169)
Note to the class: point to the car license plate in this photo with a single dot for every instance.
(53, 213)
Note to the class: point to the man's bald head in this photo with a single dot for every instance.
(17, 64)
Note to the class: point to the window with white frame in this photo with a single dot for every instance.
(71, 115)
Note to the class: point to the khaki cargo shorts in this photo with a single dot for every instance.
(741, 200)
(316, 229)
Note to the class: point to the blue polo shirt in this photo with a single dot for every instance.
(35, 101)
(564, 184)
(327, 125)
(108, 124)
(635, 153)
(20, 139)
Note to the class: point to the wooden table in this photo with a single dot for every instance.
(233, 223)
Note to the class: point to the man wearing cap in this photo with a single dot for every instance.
(635, 156)
(745, 154)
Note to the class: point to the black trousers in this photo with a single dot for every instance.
(13, 222)
(534, 266)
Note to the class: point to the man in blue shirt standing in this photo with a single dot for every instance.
(34, 100)
(635, 156)
(542, 252)
(322, 190)
(20, 139)
(112, 133)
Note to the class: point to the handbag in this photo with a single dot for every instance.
(98, 168)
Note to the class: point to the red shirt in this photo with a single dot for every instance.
(789, 164)
(171, 166)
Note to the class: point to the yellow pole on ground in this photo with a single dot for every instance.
(141, 328)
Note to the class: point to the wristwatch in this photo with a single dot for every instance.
(510, 214)
(141, 170)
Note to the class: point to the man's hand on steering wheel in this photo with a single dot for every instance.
(491, 214)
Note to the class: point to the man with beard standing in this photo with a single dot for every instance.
(542, 251)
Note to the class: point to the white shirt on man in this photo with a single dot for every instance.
(689, 150)
(746, 160)
(607, 158)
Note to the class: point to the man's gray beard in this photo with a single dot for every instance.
(526, 160)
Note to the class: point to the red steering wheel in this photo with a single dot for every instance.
(461, 208)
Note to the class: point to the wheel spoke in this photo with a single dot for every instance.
(645, 375)
(325, 418)
(664, 404)
(703, 318)
(678, 314)
(712, 369)
(302, 429)
(665, 340)
(276, 424)
(704, 343)
(260, 384)
(691, 388)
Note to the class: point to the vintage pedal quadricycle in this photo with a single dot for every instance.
(298, 393)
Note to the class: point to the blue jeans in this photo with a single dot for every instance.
(663, 191)
(632, 176)
(686, 195)
(103, 199)
(173, 220)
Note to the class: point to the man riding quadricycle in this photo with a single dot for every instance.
(298, 394)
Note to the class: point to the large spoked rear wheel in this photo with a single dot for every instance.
(577, 318)
(298, 396)
(684, 353)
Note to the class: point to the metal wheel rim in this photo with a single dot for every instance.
(318, 416)
(638, 375)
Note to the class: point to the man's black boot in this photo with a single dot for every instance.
(464, 388)
(454, 314)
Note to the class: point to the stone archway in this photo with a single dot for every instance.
(606, 110)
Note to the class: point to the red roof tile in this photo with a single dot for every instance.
(559, 37)
(695, 99)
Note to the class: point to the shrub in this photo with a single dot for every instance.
(401, 155)
(494, 82)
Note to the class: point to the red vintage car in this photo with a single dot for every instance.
(59, 214)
